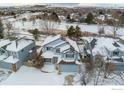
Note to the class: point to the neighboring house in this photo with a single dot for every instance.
(61, 51)
(62, 18)
(111, 49)
(121, 39)
(14, 53)
(101, 17)
(108, 47)
(85, 47)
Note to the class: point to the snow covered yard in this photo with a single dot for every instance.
(32, 76)
(4, 74)
(28, 24)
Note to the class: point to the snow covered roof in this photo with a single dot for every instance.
(53, 38)
(106, 43)
(4, 42)
(50, 39)
(101, 17)
(48, 54)
(122, 37)
(10, 59)
(2, 57)
(73, 44)
(58, 44)
(21, 44)
(64, 48)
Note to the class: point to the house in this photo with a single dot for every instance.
(112, 51)
(14, 53)
(109, 47)
(61, 51)
(101, 17)
(62, 18)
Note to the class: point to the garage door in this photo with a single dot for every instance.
(68, 67)
(119, 67)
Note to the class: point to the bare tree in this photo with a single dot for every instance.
(33, 19)
(69, 80)
(23, 20)
(98, 67)
(109, 68)
(9, 27)
(37, 59)
(116, 24)
(115, 28)
(101, 29)
(35, 33)
(49, 24)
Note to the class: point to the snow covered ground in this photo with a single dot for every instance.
(4, 74)
(32, 76)
(20, 25)
(63, 26)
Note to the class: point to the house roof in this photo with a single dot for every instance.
(73, 44)
(2, 57)
(4, 42)
(50, 39)
(10, 59)
(48, 54)
(64, 48)
(21, 44)
(60, 43)
(106, 43)
(122, 37)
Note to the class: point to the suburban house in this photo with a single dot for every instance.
(111, 49)
(61, 51)
(14, 53)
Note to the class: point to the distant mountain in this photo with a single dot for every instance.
(63, 5)
(102, 5)
(69, 5)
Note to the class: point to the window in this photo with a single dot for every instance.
(48, 48)
(115, 53)
(57, 50)
(47, 59)
(69, 55)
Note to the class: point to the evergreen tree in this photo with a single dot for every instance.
(1, 30)
(68, 18)
(35, 33)
(89, 18)
(70, 31)
(74, 32)
(77, 32)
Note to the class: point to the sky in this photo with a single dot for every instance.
(67, 4)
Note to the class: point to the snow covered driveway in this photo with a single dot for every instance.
(32, 76)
